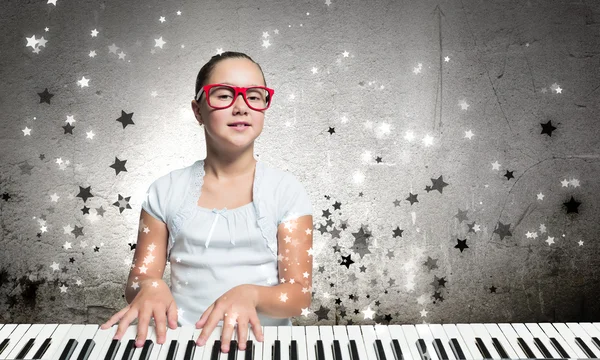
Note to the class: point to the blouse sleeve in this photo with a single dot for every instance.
(155, 202)
(293, 200)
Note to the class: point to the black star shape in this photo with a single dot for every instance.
(431, 263)
(78, 231)
(509, 175)
(471, 226)
(45, 96)
(337, 205)
(119, 165)
(322, 313)
(438, 296)
(326, 213)
(5, 196)
(412, 198)
(85, 210)
(71, 260)
(398, 232)
(42, 156)
(331, 130)
(122, 203)
(132, 246)
(378, 159)
(438, 184)
(493, 289)
(462, 215)
(85, 193)
(96, 249)
(547, 128)
(462, 244)
(347, 261)
(68, 129)
(126, 119)
(572, 205)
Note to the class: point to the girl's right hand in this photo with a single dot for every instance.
(154, 299)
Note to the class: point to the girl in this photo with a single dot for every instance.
(237, 233)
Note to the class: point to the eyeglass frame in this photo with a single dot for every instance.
(238, 90)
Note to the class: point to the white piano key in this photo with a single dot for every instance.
(312, 335)
(355, 334)
(340, 334)
(590, 329)
(32, 332)
(45, 333)
(103, 338)
(495, 332)
(425, 334)
(524, 334)
(597, 325)
(199, 350)
(397, 333)
(298, 334)
(57, 338)
(383, 334)
(537, 332)
(411, 335)
(369, 337)
(15, 336)
(138, 351)
(270, 335)
(284, 335)
(223, 355)
(578, 331)
(437, 331)
(453, 333)
(551, 332)
(569, 337)
(210, 341)
(6, 331)
(511, 335)
(129, 334)
(469, 338)
(185, 334)
(171, 335)
(88, 333)
(326, 334)
(481, 332)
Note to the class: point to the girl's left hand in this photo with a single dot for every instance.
(238, 305)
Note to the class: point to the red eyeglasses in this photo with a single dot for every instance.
(222, 96)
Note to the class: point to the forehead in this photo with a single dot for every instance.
(236, 71)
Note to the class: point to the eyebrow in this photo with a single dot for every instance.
(236, 85)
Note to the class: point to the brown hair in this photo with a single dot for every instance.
(207, 69)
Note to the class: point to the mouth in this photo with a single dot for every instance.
(240, 125)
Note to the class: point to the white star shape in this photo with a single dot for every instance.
(26, 131)
(83, 82)
(54, 266)
(159, 42)
(94, 33)
(368, 313)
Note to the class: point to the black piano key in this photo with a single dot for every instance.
(249, 354)
(147, 349)
(172, 350)
(397, 350)
(3, 345)
(353, 350)
(216, 350)
(320, 350)
(500, 349)
(189, 350)
(128, 353)
(42, 350)
(482, 349)
(112, 350)
(596, 342)
(232, 355)
(25, 349)
(422, 349)
(525, 348)
(294, 350)
(585, 348)
(68, 351)
(559, 348)
(455, 346)
(275, 350)
(540, 345)
(88, 346)
(379, 350)
(337, 351)
(439, 348)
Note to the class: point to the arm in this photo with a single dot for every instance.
(149, 259)
(294, 293)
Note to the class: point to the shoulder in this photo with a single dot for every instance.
(275, 178)
(177, 176)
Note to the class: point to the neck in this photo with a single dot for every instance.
(228, 167)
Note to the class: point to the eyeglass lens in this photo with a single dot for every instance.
(222, 96)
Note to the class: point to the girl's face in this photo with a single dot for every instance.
(238, 72)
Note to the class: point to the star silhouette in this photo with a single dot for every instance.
(547, 128)
(45, 96)
(126, 119)
(119, 165)
(572, 205)
(85, 193)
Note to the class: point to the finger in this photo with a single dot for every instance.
(161, 326)
(228, 324)
(242, 326)
(200, 323)
(172, 315)
(142, 328)
(258, 333)
(211, 323)
(116, 317)
(124, 323)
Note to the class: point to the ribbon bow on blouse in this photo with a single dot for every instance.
(218, 214)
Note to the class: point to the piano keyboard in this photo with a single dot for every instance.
(337, 342)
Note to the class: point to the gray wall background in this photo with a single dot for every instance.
(438, 70)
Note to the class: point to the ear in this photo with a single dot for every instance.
(196, 110)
